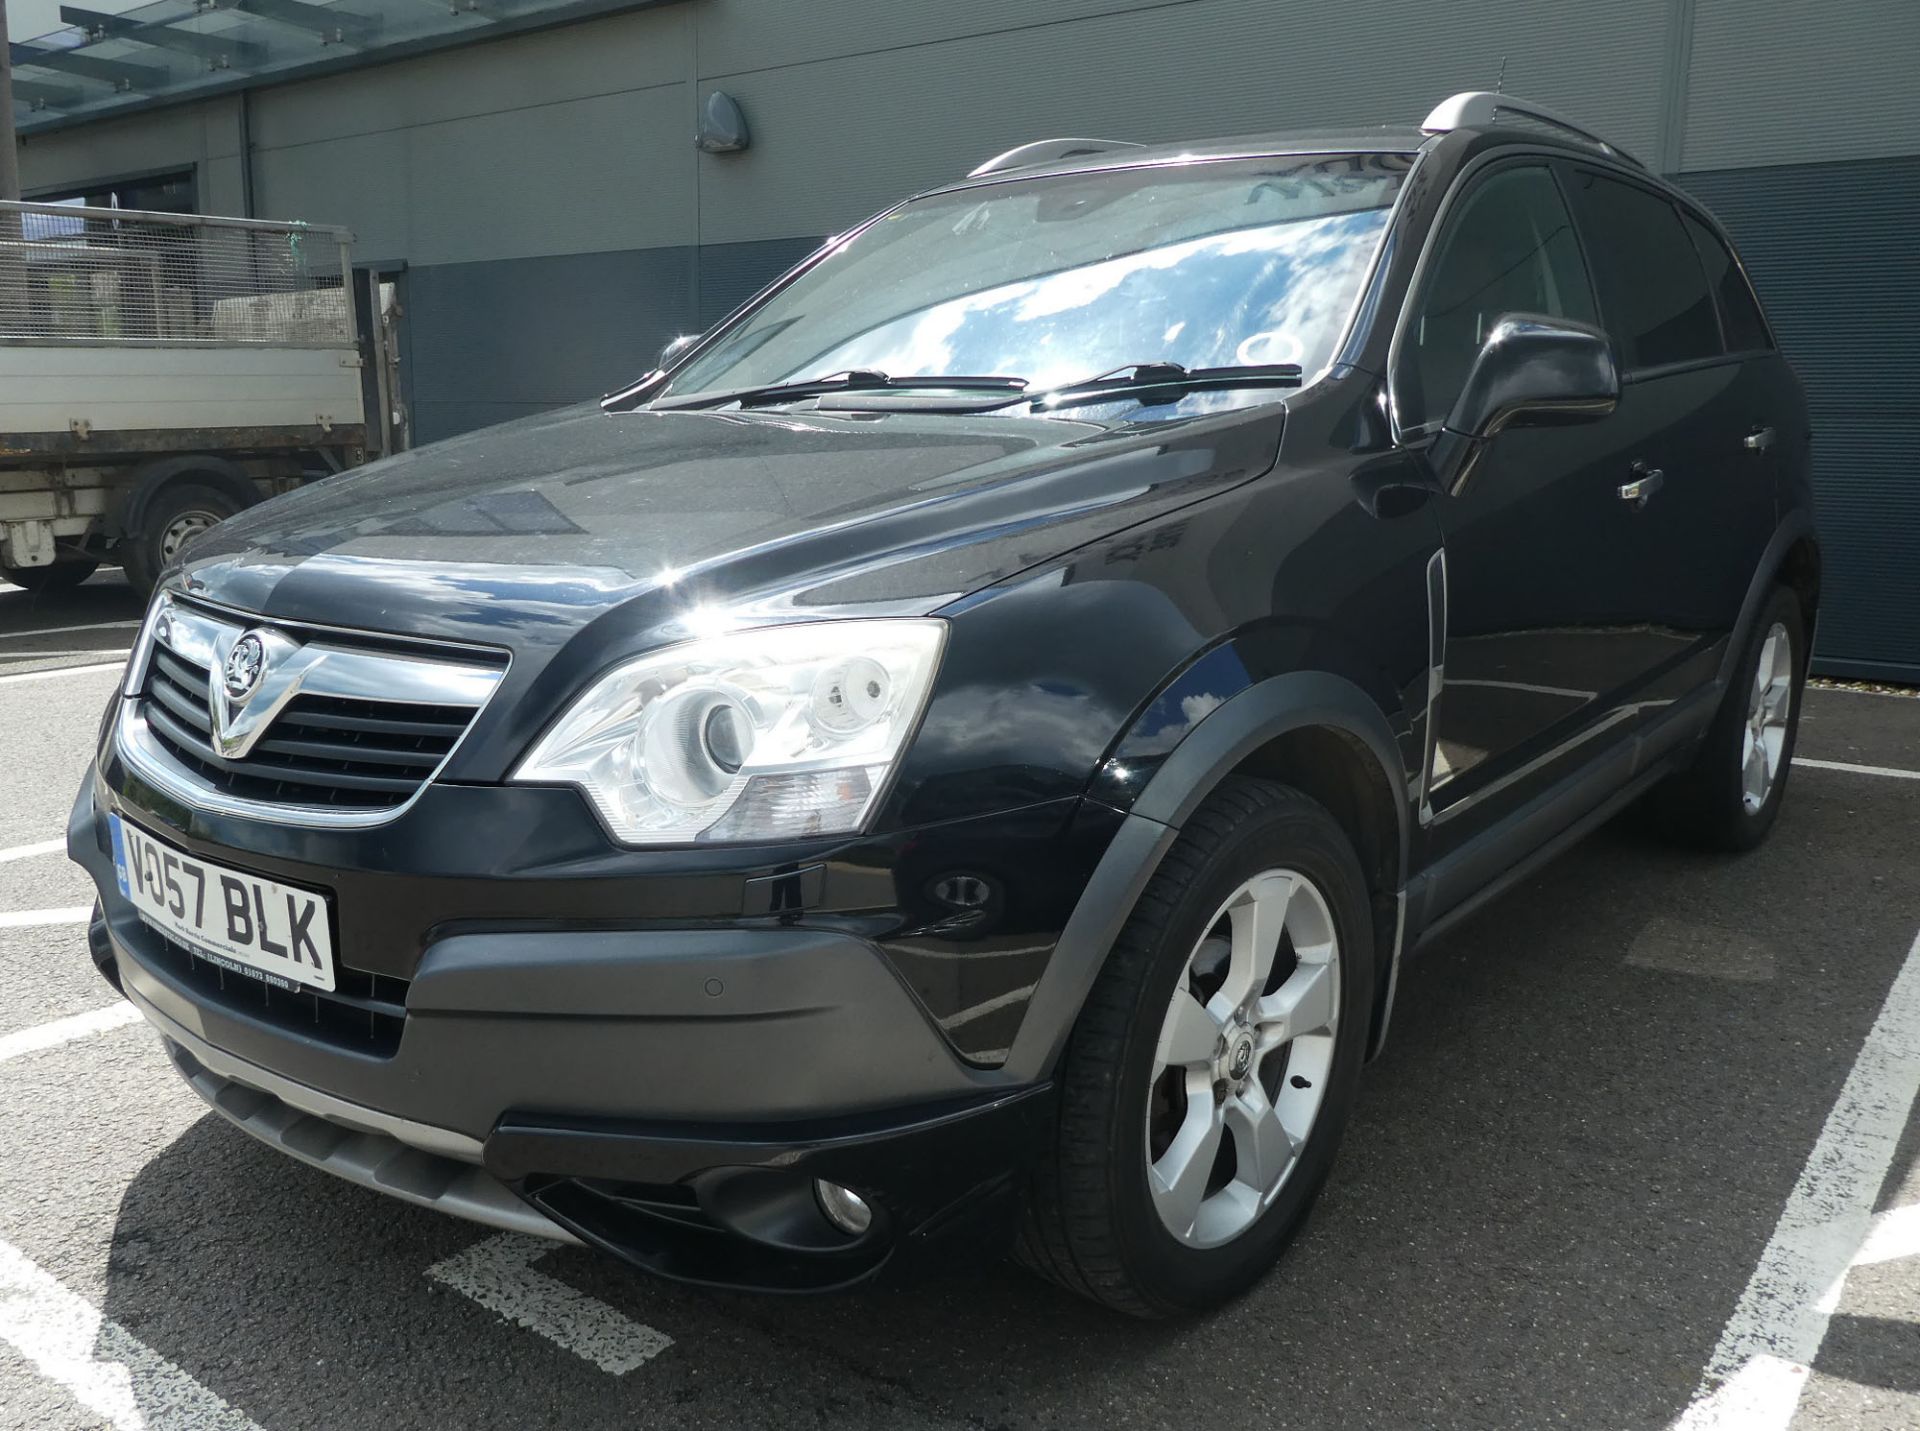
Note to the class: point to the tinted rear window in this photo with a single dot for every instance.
(1739, 310)
(1652, 288)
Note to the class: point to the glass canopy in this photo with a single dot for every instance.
(169, 50)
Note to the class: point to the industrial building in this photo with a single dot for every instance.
(527, 175)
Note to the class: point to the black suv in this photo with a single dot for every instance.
(960, 751)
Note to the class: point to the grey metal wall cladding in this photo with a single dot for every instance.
(501, 339)
(731, 273)
(1830, 247)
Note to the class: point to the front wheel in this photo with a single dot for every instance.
(1204, 1089)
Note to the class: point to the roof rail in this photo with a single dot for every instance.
(1476, 107)
(1045, 151)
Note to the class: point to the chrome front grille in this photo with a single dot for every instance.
(351, 737)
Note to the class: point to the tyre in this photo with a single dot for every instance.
(57, 577)
(1204, 1088)
(180, 515)
(1730, 796)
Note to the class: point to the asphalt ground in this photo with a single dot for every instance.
(1630, 1116)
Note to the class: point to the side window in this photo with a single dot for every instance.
(1652, 287)
(1508, 247)
(1739, 309)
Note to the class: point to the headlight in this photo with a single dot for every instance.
(766, 734)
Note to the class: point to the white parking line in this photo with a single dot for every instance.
(59, 1031)
(497, 1272)
(1885, 771)
(1895, 1235)
(99, 1362)
(28, 918)
(1759, 1368)
(119, 665)
(67, 630)
(58, 653)
(27, 852)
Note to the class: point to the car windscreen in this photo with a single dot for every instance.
(1056, 278)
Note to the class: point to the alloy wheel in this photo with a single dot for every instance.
(1765, 738)
(1243, 1060)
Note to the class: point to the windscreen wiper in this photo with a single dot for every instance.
(852, 380)
(1136, 379)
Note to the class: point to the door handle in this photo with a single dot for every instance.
(1647, 481)
(1759, 440)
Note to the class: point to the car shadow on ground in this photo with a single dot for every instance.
(1597, 1098)
(104, 596)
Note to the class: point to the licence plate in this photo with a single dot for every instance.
(240, 921)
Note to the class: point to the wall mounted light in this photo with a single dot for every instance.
(723, 126)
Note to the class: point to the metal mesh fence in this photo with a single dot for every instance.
(112, 275)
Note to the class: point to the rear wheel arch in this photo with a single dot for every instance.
(1791, 559)
(1800, 571)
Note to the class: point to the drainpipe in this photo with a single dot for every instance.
(246, 153)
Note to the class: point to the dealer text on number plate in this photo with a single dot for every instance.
(264, 926)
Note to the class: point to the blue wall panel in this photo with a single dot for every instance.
(1831, 249)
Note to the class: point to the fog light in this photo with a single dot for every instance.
(844, 1207)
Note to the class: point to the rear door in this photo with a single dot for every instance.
(1690, 399)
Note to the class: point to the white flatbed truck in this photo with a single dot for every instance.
(159, 372)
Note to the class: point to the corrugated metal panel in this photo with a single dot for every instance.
(731, 273)
(1831, 251)
(836, 139)
(539, 332)
(1784, 84)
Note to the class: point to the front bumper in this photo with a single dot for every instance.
(668, 1094)
(726, 1207)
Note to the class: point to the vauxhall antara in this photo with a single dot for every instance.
(959, 753)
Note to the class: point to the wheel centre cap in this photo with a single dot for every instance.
(1239, 1058)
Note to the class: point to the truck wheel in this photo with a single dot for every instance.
(57, 577)
(180, 515)
(1205, 1086)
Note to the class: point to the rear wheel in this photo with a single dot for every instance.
(1730, 796)
(1204, 1089)
(55, 577)
(180, 515)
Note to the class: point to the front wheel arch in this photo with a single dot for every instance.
(1276, 728)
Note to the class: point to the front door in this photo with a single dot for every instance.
(1546, 635)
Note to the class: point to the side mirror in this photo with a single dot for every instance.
(1530, 368)
(1536, 368)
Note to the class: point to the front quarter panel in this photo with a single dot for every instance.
(1298, 598)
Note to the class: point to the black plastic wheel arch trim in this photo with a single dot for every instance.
(1228, 735)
